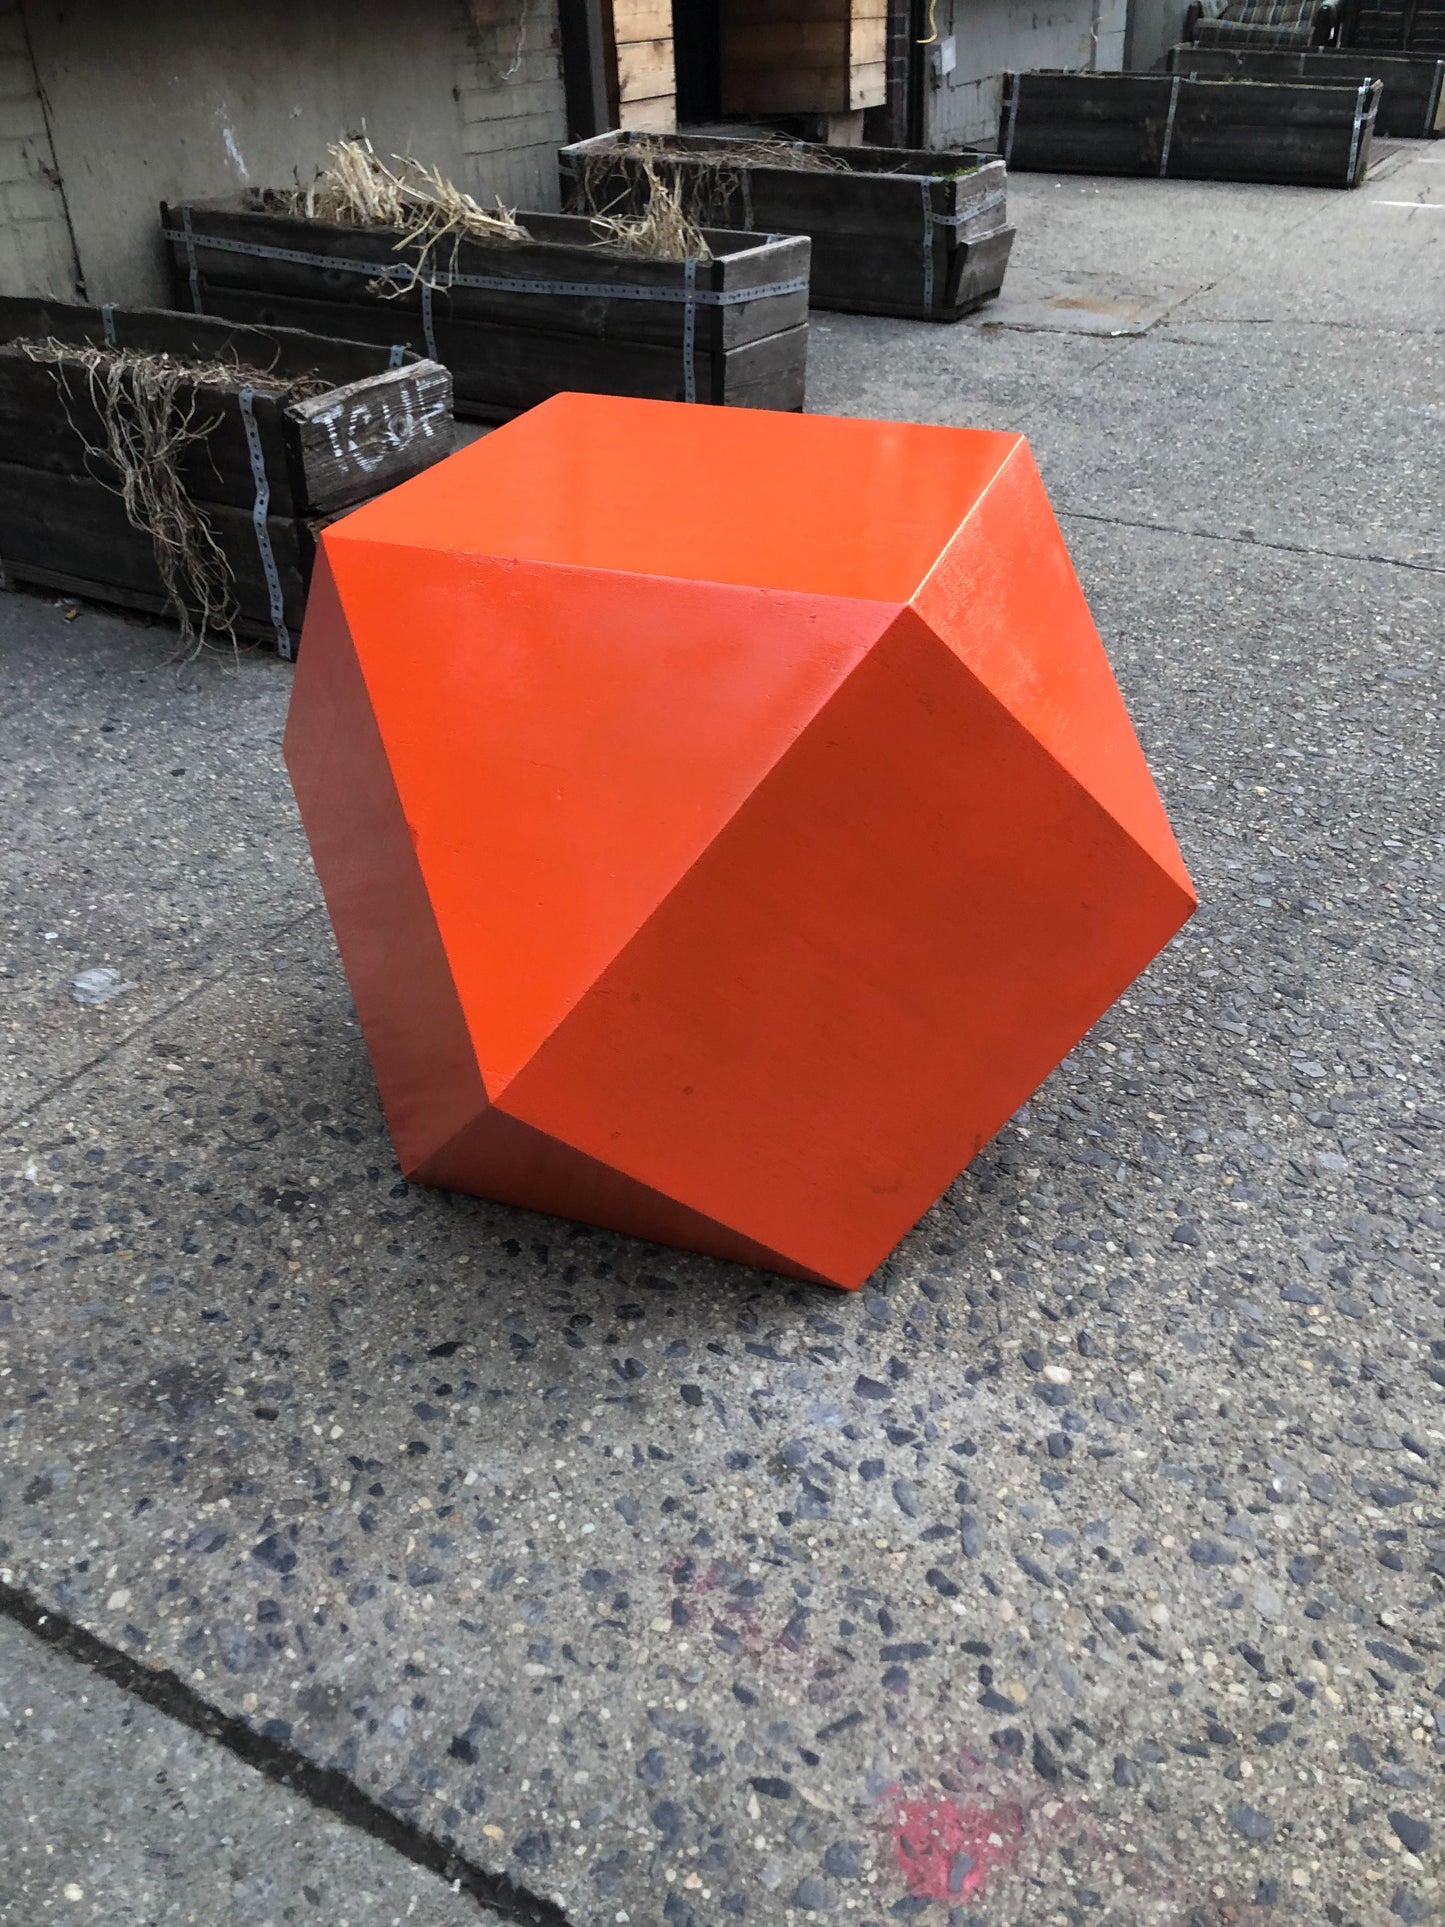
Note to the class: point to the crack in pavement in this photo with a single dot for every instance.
(326, 1788)
(1250, 541)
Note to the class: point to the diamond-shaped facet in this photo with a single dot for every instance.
(727, 819)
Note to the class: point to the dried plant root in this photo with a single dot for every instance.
(149, 408)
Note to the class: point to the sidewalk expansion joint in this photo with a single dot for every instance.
(325, 1788)
(1251, 541)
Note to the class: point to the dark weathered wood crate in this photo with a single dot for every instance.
(267, 473)
(1412, 86)
(1297, 133)
(516, 321)
(1396, 26)
(894, 231)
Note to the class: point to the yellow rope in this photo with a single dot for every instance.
(932, 24)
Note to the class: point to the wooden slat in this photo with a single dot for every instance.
(372, 434)
(866, 219)
(71, 525)
(812, 43)
(565, 249)
(820, 202)
(1297, 133)
(506, 349)
(787, 63)
(740, 13)
(868, 42)
(498, 371)
(648, 116)
(868, 86)
(641, 20)
(49, 421)
(645, 70)
(1412, 100)
(190, 337)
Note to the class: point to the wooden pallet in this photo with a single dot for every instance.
(1296, 133)
(893, 231)
(516, 322)
(266, 474)
(1412, 86)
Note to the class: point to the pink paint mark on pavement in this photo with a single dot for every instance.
(946, 1851)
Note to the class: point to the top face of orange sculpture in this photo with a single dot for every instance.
(816, 504)
(727, 818)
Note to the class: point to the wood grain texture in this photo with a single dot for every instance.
(873, 221)
(68, 524)
(1300, 133)
(508, 349)
(372, 434)
(1412, 96)
(62, 522)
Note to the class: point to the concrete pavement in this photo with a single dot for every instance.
(1088, 1566)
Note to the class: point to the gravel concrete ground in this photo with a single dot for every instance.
(116, 1814)
(1089, 1566)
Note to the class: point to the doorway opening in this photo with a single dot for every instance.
(697, 51)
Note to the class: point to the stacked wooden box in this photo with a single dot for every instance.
(893, 231)
(1301, 133)
(265, 473)
(514, 321)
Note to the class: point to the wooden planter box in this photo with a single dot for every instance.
(268, 474)
(893, 231)
(517, 321)
(1298, 133)
(1412, 86)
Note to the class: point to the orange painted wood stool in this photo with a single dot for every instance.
(727, 818)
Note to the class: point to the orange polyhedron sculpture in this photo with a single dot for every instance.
(727, 818)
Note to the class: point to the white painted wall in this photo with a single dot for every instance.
(1154, 27)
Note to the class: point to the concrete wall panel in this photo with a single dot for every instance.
(36, 255)
(172, 101)
(989, 36)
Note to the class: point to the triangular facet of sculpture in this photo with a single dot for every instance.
(727, 819)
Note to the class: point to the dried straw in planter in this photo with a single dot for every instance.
(149, 407)
(664, 230)
(703, 180)
(358, 189)
(667, 201)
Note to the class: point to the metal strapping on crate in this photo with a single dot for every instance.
(689, 296)
(192, 267)
(1169, 127)
(927, 187)
(498, 283)
(689, 329)
(1015, 85)
(931, 220)
(260, 510)
(1365, 86)
(429, 333)
(397, 354)
(107, 321)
